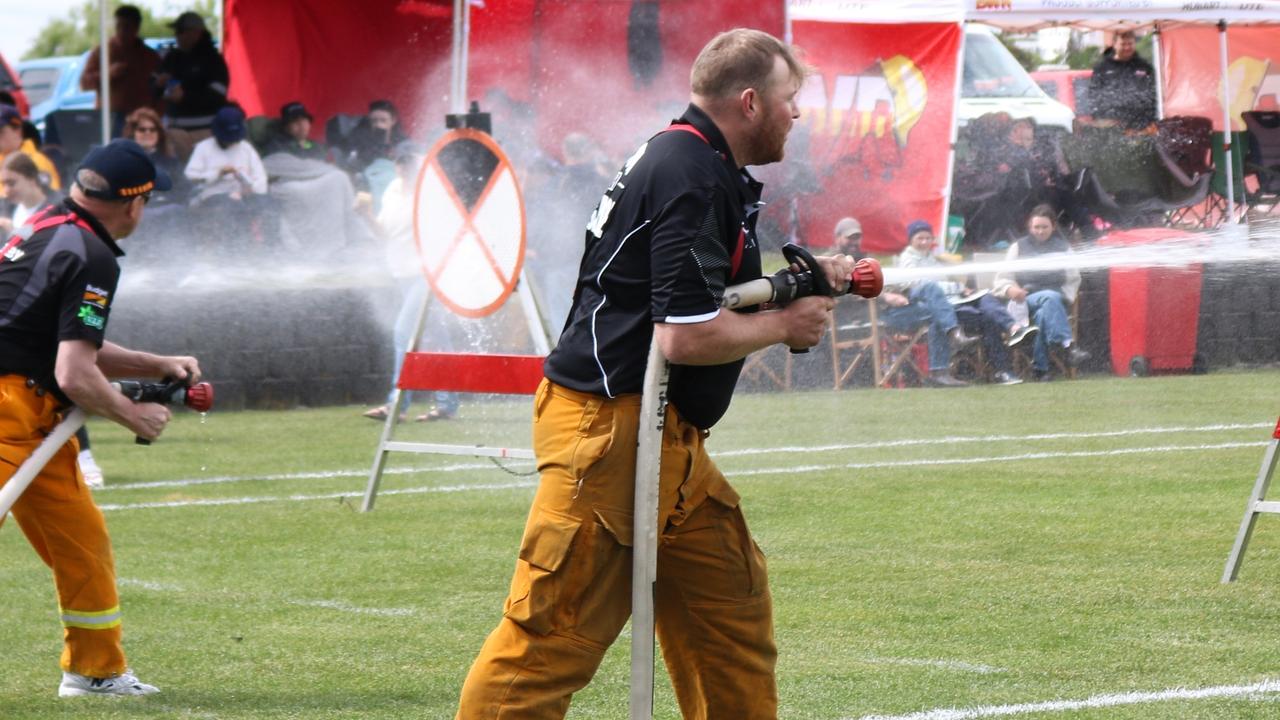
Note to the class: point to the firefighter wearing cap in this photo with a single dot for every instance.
(57, 284)
(673, 231)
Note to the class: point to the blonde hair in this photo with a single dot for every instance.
(739, 59)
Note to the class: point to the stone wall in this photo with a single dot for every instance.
(270, 348)
(287, 348)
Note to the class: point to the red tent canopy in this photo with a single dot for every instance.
(586, 65)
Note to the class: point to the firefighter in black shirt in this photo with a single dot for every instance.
(675, 228)
(57, 283)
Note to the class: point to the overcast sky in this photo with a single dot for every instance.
(21, 20)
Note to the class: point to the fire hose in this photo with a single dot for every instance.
(803, 277)
(198, 397)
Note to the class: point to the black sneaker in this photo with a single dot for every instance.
(1022, 333)
(960, 341)
(1076, 357)
(944, 379)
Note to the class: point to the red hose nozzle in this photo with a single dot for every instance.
(868, 279)
(199, 397)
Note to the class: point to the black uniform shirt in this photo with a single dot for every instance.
(55, 285)
(660, 248)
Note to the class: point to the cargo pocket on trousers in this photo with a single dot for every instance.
(542, 581)
(737, 538)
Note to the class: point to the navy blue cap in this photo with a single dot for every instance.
(228, 125)
(918, 226)
(9, 115)
(127, 169)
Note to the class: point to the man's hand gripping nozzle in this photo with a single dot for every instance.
(198, 397)
(801, 278)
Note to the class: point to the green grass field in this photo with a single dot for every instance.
(991, 550)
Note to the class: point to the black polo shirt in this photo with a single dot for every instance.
(57, 284)
(659, 249)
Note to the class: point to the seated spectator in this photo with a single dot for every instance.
(921, 302)
(12, 140)
(193, 77)
(1047, 293)
(848, 238)
(232, 182)
(225, 164)
(144, 127)
(25, 195)
(376, 136)
(395, 225)
(979, 313)
(294, 135)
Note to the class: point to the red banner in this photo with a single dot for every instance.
(1192, 75)
(874, 131)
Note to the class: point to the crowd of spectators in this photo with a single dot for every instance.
(1108, 170)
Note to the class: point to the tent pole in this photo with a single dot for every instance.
(951, 146)
(104, 74)
(457, 105)
(1226, 120)
(1158, 62)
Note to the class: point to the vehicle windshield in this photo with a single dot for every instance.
(991, 72)
(38, 83)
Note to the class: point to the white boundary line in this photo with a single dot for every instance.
(952, 440)
(1096, 701)
(961, 439)
(943, 664)
(789, 470)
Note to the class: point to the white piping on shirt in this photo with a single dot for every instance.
(595, 342)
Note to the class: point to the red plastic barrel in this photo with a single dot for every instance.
(1155, 312)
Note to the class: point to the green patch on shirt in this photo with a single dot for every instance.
(90, 316)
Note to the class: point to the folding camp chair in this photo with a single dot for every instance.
(1263, 160)
(855, 342)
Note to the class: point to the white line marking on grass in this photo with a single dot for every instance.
(961, 439)
(1097, 701)
(317, 475)
(953, 440)
(993, 458)
(345, 607)
(300, 498)
(742, 473)
(147, 585)
(943, 664)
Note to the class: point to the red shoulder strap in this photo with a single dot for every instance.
(42, 221)
(736, 259)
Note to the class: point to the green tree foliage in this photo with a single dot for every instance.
(1028, 60)
(78, 32)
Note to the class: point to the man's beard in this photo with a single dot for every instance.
(769, 144)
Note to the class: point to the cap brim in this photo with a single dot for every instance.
(163, 181)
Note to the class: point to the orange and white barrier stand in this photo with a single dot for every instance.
(1258, 504)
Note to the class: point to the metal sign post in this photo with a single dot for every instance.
(1257, 505)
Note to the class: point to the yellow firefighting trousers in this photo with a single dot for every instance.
(571, 592)
(67, 530)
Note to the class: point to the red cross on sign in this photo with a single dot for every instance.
(468, 221)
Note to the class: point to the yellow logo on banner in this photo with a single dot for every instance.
(890, 96)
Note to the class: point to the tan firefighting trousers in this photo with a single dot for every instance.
(571, 593)
(66, 529)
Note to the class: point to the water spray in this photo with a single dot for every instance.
(198, 397)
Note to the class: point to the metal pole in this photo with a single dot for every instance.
(457, 99)
(1226, 120)
(1158, 61)
(951, 146)
(104, 75)
(644, 543)
(30, 468)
